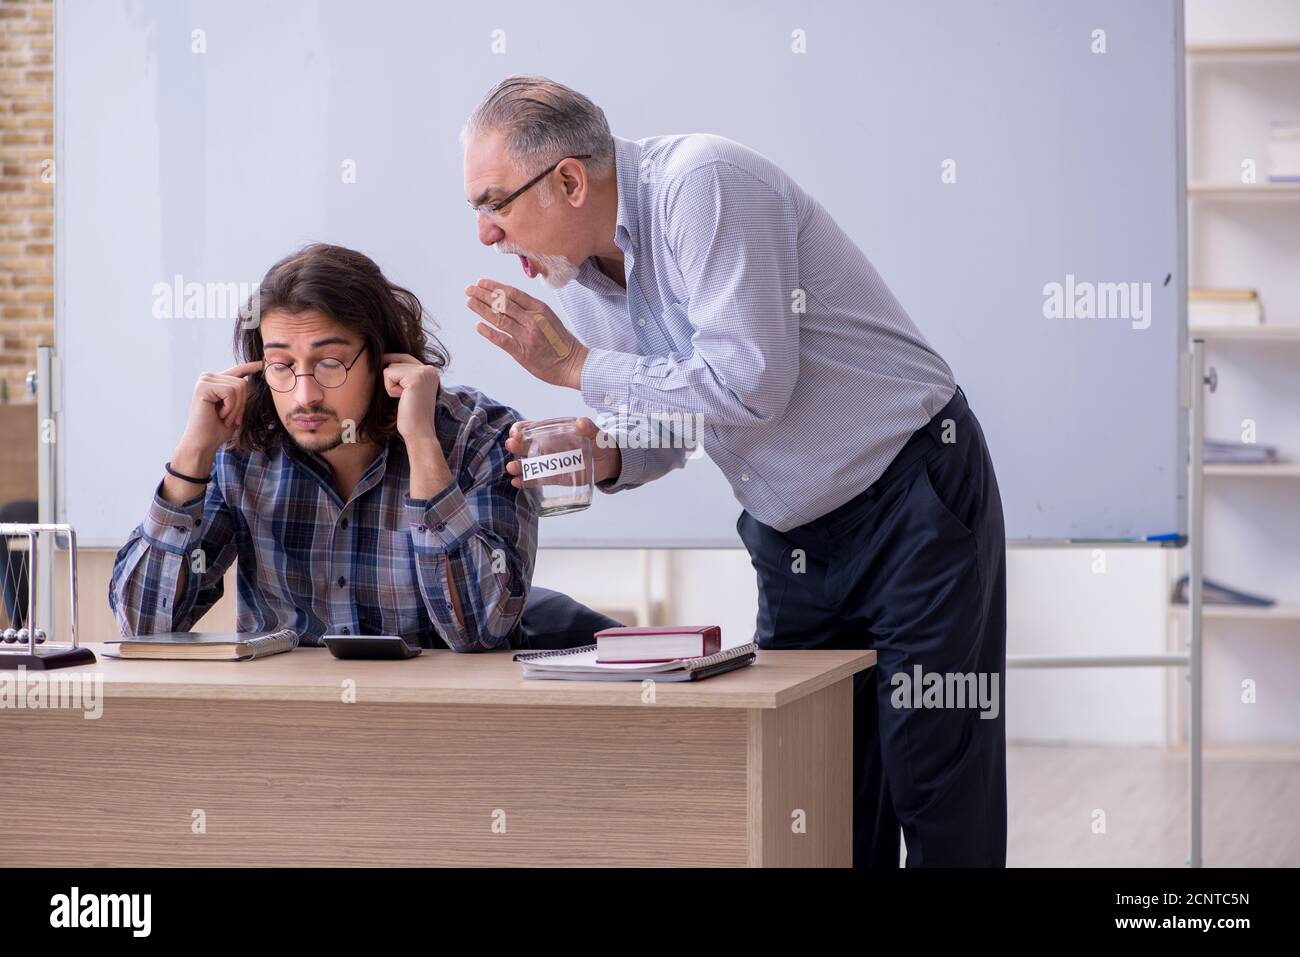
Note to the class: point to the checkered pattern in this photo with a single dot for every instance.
(748, 305)
(380, 563)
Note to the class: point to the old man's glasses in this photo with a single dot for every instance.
(491, 209)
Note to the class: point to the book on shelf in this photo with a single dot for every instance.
(1284, 152)
(1240, 453)
(1223, 307)
(1217, 593)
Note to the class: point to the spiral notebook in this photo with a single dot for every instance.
(205, 646)
(579, 664)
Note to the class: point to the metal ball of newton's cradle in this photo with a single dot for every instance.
(10, 636)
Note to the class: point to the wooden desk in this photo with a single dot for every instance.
(433, 753)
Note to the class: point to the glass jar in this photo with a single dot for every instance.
(557, 466)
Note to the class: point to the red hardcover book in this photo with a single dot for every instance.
(659, 643)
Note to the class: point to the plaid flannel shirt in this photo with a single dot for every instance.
(380, 563)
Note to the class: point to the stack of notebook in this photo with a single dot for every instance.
(580, 664)
(1240, 453)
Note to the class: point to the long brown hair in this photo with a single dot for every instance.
(348, 287)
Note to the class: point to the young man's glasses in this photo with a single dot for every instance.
(328, 373)
(491, 209)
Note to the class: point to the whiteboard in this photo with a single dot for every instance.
(212, 165)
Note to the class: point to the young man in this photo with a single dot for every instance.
(358, 494)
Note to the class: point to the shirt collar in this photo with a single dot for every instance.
(315, 464)
(627, 166)
(627, 174)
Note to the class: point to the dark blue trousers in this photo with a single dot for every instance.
(914, 567)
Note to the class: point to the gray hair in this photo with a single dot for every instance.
(543, 121)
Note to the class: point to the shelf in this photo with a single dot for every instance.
(1261, 333)
(1282, 611)
(1235, 470)
(1234, 190)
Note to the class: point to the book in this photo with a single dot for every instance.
(579, 664)
(200, 646)
(1221, 292)
(1284, 152)
(1223, 307)
(1217, 593)
(646, 644)
(1240, 453)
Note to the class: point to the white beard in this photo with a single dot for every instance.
(559, 271)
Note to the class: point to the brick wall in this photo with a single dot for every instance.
(26, 187)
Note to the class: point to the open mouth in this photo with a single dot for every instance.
(529, 269)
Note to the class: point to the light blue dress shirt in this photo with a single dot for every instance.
(750, 313)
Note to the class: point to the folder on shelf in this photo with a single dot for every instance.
(1216, 593)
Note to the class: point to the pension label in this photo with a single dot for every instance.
(556, 463)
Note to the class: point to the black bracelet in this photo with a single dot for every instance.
(188, 478)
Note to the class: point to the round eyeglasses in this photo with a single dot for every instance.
(328, 373)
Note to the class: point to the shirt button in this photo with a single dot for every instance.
(640, 322)
(198, 521)
(342, 581)
(423, 528)
(345, 630)
(344, 523)
(744, 476)
(609, 400)
(440, 526)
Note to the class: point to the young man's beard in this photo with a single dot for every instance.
(318, 442)
(318, 449)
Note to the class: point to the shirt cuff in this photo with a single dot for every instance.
(607, 379)
(631, 472)
(173, 528)
(440, 523)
